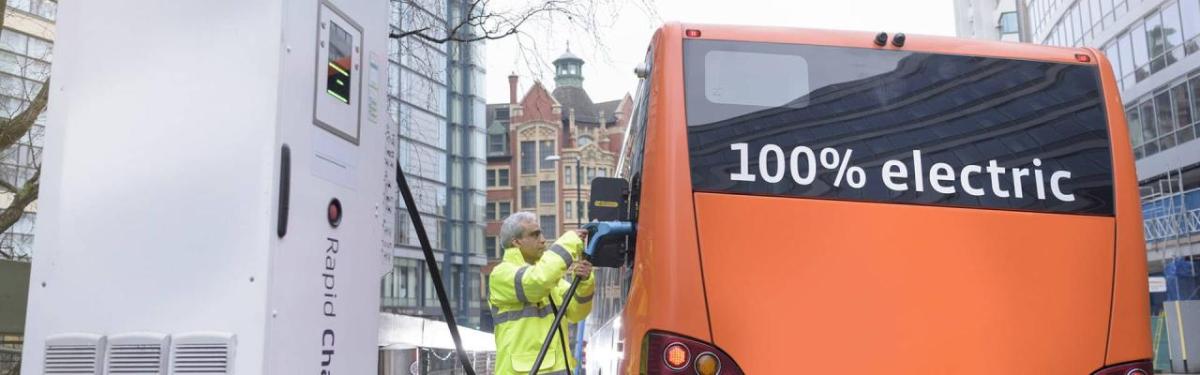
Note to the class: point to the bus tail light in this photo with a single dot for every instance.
(692, 33)
(676, 356)
(1144, 367)
(666, 353)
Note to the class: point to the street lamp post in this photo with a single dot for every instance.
(578, 192)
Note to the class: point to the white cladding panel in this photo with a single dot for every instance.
(160, 185)
(325, 281)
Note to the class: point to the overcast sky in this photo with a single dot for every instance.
(608, 70)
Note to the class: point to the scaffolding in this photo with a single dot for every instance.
(1172, 227)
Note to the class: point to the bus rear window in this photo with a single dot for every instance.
(896, 127)
(754, 79)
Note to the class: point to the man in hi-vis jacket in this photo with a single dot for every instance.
(527, 288)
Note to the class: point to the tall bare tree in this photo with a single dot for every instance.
(489, 20)
(24, 103)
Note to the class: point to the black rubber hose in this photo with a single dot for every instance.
(431, 263)
(562, 340)
(557, 319)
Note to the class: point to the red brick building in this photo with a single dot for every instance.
(525, 131)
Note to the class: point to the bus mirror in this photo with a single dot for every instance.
(609, 202)
(609, 199)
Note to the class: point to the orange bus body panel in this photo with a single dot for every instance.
(851, 287)
(1129, 335)
(667, 290)
(863, 288)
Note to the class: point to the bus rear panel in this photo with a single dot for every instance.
(873, 210)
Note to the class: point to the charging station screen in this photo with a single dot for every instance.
(340, 60)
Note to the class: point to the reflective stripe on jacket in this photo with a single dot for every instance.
(519, 295)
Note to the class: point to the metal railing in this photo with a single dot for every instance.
(1172, 226)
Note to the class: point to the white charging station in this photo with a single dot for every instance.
(217, 189)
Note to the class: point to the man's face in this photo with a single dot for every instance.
(531, 241)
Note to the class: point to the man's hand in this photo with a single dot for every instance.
(581, 269)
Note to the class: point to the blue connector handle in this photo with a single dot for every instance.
(599, 229)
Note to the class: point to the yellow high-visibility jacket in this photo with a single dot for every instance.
(519, 294)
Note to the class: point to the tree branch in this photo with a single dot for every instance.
(407, 33)
(4, 126)
(22, 199)
(7, 186)
(11, 130)
(3, 8)
(505, 26)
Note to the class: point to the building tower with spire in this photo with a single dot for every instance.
(568, 70)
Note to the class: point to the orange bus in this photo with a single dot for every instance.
(811, 201)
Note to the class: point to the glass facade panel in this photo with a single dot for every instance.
(1156, 41)
(455, 144)
(14, 42)
(478, 142)
(1190, 14)
(1141, 53)
(478, 201)
(1115, 56)
(456, 109)
(401, 285)
(1134, 120)
(1149, 132)
(443, 149)
(1183, 113)
(1126, 51)
(1172, 30)
(1008, 23)
(1077, 24)
(421, 160)
(1164, 120)
(422, 126)
(474, 299)
(1071, 29)
(1194, 89)
(422, 92)
(1172, 34)
(1094, 7)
